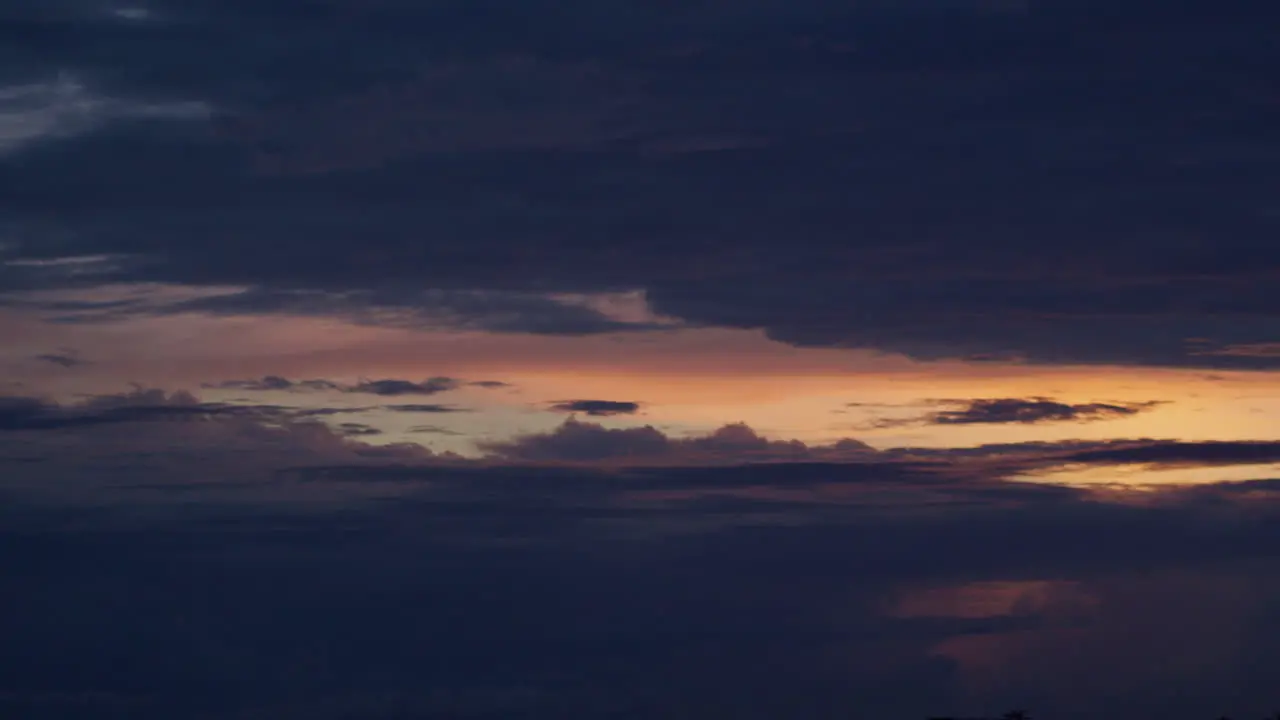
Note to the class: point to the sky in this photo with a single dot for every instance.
(639, 358)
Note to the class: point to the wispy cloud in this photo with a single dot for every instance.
(596, 408)
(64, 107)
(1034, 410)
(1020, 411)
(430, 386)
(66, 359)
(426, 408)
(384, 387)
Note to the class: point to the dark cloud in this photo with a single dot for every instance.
(1032, 410)
(997, 411)
(351, 429)
(384, 387)
(1076, 182)
(434, 430)
(1262, 350)
(509, 311)
(430, 386)
(491, 384)
(597, 408)
(578, 441)
(425, 408)
(269, 382)
(1071, 181)
(310, 412)
(880, 587)
(1184, 453)
(23, 414)
(314, 575)
(66, 360)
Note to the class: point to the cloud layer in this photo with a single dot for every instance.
(943, 180)
(1039, 182)
(316, 576)
(386, 387)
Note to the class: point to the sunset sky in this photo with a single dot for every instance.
(561, 358)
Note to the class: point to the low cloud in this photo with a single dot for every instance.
(1244, 350)
(274, 383)
(929, 573)
(430, 386)
(434, 430)
(1023, 411)
(596, 408)
(66, 360)
(27, 414)
(385, 387)
(1173, 453)
(885, 590)
(579, 441)
(351, 429)
(1033, 410)
(425, 408)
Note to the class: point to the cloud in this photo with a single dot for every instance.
(561, 106)
(982, 216)
(351, 429)
(1257, 350)
(62, 359)
(510, 311)
(425, 408)
(26, 414)
(1032, 410)
(274, 382)
(430, 386)
(434, 430)
(1173, 453)
(885, 586)
(383, 387)
(579, 441)
(596, 408)
(157, 442)
(63, 107)
(997, 411)
(1080, 182)
(923, 571)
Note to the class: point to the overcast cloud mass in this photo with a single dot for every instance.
(639, 359)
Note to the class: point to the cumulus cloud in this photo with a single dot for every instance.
(596, 408)
(580, 441)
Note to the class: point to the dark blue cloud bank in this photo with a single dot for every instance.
(1052, 180)
(166, 558)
